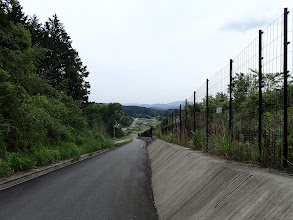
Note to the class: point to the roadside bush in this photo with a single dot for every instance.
(157, 131)
(5, 169)
(76, 157)
(171, 138)
(107, 143)
(45, 157)
(69, 150)
(90, 147)
(19, 162)
(2, 147)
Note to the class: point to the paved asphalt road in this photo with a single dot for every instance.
(113, 185)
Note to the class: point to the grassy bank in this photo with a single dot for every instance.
(123, 143)
(15, 162)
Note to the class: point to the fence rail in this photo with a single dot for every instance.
(245, 110)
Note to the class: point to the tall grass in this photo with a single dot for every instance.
(199, 140)
(19, 161)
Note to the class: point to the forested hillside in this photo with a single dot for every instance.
(143, 112)
(45, 115)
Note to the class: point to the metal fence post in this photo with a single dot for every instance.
(260, 85)
(180, 122)
(172, 122)
(230, 102)
(167, 125)
(207, 116)
(176, 125)
(186, 112)
(194, 93)
(285, 144)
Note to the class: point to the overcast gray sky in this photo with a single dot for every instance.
(156, 51)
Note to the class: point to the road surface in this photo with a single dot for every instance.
(133, 123)
(113, 185)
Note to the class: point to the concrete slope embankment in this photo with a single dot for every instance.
(190, 184)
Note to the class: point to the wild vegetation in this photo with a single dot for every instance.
(242, 142)
(45, 115)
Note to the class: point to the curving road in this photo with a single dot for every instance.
(113, 185)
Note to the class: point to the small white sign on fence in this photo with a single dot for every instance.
(219, 110)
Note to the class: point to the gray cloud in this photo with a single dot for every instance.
(246, 24)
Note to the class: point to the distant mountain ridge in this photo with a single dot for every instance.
(171, 105)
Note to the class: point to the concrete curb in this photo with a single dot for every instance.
(23, 177)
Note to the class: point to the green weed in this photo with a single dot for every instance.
(199, 140)
(45, 157)
(224, 145)
(19, 162)
(5, 169)
(123, 143)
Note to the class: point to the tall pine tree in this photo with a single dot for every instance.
(62, 67)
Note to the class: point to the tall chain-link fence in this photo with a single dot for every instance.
(245, 110)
